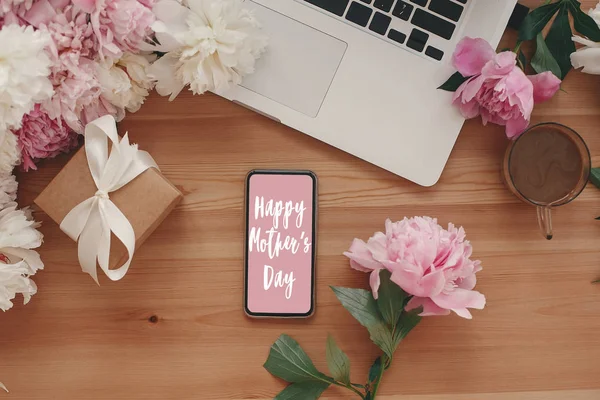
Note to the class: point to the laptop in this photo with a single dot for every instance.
(362, 75)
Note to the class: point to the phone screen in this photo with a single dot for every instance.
(280, 243)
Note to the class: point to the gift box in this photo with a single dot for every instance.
(145, 201)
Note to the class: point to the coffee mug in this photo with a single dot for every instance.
(547, 166)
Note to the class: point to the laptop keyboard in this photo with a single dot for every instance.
(425, 26)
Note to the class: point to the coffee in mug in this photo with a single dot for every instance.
(547, 166)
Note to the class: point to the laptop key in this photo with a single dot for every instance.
(417, 40)
(422, 3)
(433, 24)
(380, 23)
(384, 5)
(367, 1)
(397, 36)
(447, 9)
(334, 6)
(462, 1)
(359, 14)
(403, 10)
(434, 53)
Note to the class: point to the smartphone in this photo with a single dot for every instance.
(281, 214)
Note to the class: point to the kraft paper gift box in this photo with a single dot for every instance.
(145, 201)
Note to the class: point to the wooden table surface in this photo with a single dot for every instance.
(174, 327)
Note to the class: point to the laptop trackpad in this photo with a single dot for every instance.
(299, 64)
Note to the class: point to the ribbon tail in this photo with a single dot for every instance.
(87, 249)
(121, 227)
(75, 221)
(104, 243)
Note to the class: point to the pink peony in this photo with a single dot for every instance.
(75, 88)
(42, 137)
(497, 89)
(72, 38)
(119, 25)
(429, 263)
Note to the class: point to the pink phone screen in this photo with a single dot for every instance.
(279, 247)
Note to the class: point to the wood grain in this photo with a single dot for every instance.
(174, 327)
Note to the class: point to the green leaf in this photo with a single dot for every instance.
(408, 321)
(391, 298)
(363, 307)
(596, 281)
(289, 362)
(302, 391)
(559, 41)
(337, 361)
(453, 82)
(543, 60)
(360, 303)
(536, 20)
(375, 370)
(595, 177)
(584, 24)
(368, 396)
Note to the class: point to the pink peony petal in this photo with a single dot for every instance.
(59, 3)
(41, 12)
(460, 298)
(463, 312)
(545, 85)
(469, 110)
(410, 278)
(468, 282)
(360, 254)
(469, 89)
(377, 246)
(375, 281)
(471, 55)
(429, 307)
(86, 5)
(502, 64)
(514, 127)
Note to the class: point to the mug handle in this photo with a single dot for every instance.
(544, 215)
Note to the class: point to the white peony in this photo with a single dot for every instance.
(8, 189)
(125, 84)
(137, 67)
(3, 387)
(115, 84)
(10, 155)
(209, 45)
(588, 56)
(24, 70)
(18, 238)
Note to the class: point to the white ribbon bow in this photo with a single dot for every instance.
(92, 221)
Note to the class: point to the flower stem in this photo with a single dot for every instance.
(517, 47)
(349, 387)
(384, 362)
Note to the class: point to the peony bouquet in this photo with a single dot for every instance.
(416, 269)
(66, 63)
